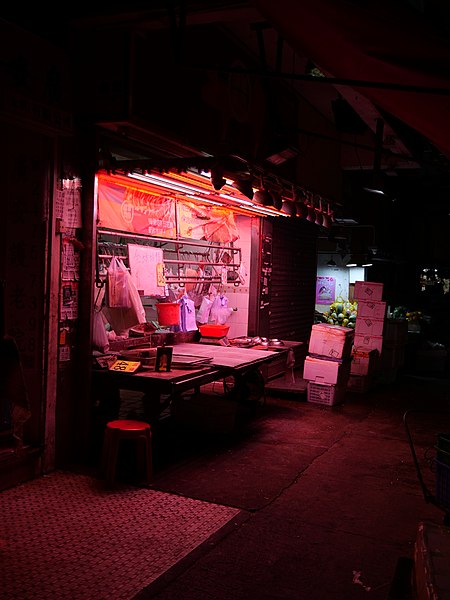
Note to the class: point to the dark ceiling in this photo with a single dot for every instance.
(379, 147)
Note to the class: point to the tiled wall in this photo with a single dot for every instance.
(238, 296)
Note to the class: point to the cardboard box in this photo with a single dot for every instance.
(365, 361)
(369, 326)
(321, 370)
(331, 341)
(368, 290)
(369, 342)
(374, 310)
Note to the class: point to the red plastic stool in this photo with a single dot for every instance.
(127, 429)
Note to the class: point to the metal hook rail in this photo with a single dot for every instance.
(106, 250)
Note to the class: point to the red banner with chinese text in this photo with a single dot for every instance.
(128, 209)
(133, 210)
(211, 223)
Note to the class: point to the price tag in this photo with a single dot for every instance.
(125, 366)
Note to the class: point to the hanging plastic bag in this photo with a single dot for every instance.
(223, 314)
(242, 272)
(220, 301)
(99, 335)
(136, 302)
(220, 312)
(204, 310)
(122, 318)
(187, 314)
(117, 293)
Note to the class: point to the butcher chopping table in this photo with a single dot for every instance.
(159, 388)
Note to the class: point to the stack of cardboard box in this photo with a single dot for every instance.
(327, 366)
(368, 342)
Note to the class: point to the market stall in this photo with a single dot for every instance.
(193, 365)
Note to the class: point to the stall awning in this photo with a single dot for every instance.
(406, 59)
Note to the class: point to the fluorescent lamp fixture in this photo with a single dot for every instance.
(266, 211)
(178, 184)
(227, 197)
(168, 184)
(145, 179)
(374, 191)
(207, 200)
(345, 221)
(351, 264)
(367, 264)
(260, 210)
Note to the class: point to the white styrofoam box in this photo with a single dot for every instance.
(369, 341)
(364, 360)
(369, 326)
(321, 370)
(331, 341)
(368, 290)
(374, 310)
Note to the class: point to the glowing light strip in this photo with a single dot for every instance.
(166, 183)
(207, 200)
(263, 211)
(189, 178)
(227, 197)
(268, 211)
(198, 193)
(188, 188)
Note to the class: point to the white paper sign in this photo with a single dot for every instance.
(144, 261)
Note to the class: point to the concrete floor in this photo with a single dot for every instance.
(318, 502)
(332, 495)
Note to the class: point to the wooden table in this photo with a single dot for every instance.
(227, 357)
(159, 388)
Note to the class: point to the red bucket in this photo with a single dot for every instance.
(168, 313)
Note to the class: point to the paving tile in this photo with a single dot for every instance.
(68, 538)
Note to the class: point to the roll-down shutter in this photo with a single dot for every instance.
(293, 279)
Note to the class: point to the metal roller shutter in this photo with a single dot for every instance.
(293, 279)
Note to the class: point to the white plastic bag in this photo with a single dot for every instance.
(204, 310)
(220, 313)
(122, 318)
(187, 314)
(117, 291)
(99, 335)
(242, 272)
